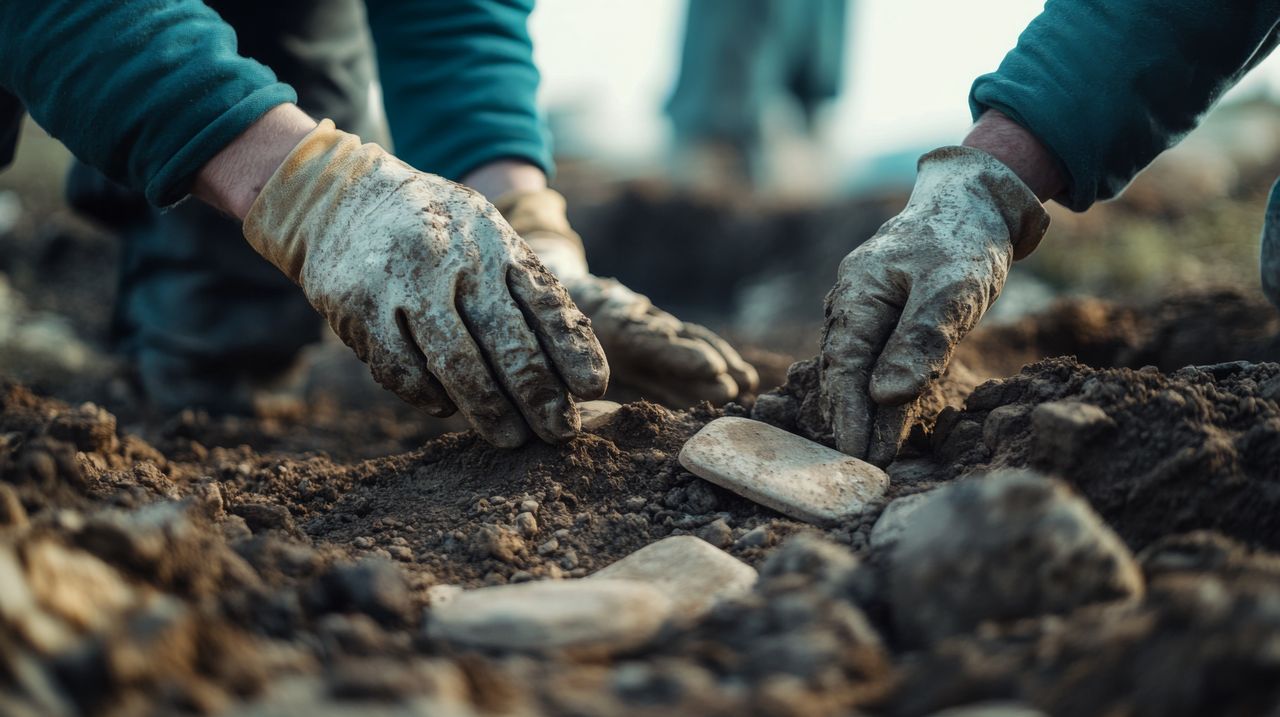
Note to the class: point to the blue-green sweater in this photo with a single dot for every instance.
(149, 90)
(1107, 85)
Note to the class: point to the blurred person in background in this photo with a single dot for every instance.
(159, 99)
(1093, 91)
(741, 61)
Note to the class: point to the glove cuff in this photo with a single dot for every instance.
(301, 200)
(540, 218)
(1018, 206)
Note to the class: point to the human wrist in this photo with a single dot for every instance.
(1019, 150)
(505, 176)
(235, 176)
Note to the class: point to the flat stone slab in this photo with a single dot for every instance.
(780, 470)
(596, 615)
(595, 413)
(692, 573)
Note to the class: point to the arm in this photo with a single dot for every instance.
(146, 91)
(1106, 86)
(459, 83)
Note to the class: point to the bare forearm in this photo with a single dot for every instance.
(232, 180)
(1019, 150)
(504, 176)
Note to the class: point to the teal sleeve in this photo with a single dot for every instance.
(146, 91)
(459, 83)
(1107, 85)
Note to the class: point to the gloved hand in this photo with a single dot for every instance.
(431, 288)
(663, 358)
(905, 298)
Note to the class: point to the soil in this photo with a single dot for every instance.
(287, 564)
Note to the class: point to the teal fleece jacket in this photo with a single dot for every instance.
(147, 91)
(1107, 85)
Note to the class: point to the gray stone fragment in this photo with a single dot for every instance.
(590, 615)
(596, 413)
(692, 573)
(893, 522)
(780, 470)
(1001, 547)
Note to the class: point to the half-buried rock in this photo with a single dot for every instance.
(783, 471)
(595, 414)
(694, 574)
(591, 615)
(1005, 546)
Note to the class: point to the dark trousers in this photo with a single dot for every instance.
(196, 304)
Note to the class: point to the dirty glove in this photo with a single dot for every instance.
(905, 298)
(431, 288)
(649, 350)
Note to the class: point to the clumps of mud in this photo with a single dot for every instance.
(1073, 540)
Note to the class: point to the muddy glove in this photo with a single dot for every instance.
(663, 358)
(431, 288)
(906, 297)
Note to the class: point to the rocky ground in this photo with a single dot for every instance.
(1061, 536)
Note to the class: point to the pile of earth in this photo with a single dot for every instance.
(200, 565)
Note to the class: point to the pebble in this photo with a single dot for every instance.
(692, 573)
(893, 522)
(527, 524)
(1004, 546)
(758, 537)
(549, 547)
(717, 533)
(596, 615)
(596, 413)
(529, 506)
(780, 470)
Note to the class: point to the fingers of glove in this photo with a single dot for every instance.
(397, 365)
(564, 332)
(860, 319)
(656, 345)
(888, 432)
(456, 359)
(917, 353)
(742, 373)
(519, 363)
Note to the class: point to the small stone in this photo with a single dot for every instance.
(12, 514)
(894, 520)
(529, 506)
(363, 542)
(374, 587)
(1005, 546)
(521, 576)
(758, 537)
(1064, 432)
(596, 413)
(401, 552)
(549, 547)
(717, 533)
(693, 574)
(569, 560)
(780, 470)
(527, 524)
(498, 542)
(264, 516)
(596, 615)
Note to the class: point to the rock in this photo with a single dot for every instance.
(12, 514)
(894, 520)
(265, 516)
(717, 533)
(498, 542)
(758, 537)
(76, 586)
(590, 615)
(372, 586)
(596, 413)
(783, 471)
(991, 709)
(88, 427)
(693, 574)
(1001, 547)
(527, 524)
(1063, 432)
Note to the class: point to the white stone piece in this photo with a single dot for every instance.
(596, 615)
(893, 522)
(596, 413)
(783, 471)
(694, 574)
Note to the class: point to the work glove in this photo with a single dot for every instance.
(431, 288)
(650, 351)
(905, 298)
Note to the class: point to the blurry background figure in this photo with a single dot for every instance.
(754, 75)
